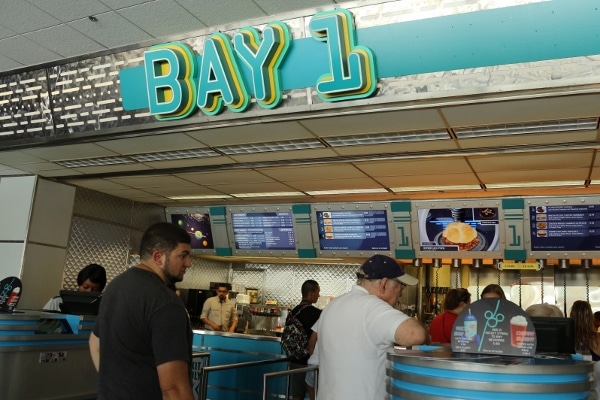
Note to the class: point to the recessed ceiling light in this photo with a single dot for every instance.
(384, 138)
(267, 194)
(200, 197)
(254, 148)
(434, 188)
(580, 124)
(345, 191)
(534, 184)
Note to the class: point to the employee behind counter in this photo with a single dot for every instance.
(219, 313)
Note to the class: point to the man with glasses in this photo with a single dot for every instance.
(357, 329)
(219, 313)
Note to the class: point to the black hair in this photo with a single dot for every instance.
(454, 297)
(162, 236)
(308, 287)
(95, 273)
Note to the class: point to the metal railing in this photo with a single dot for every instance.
(207, 370)
(287, 374)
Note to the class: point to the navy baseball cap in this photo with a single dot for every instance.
(380, 266)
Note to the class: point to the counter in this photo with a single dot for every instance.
(46, 356)
(239, 383)
(442, 374)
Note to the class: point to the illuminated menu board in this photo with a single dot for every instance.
(565, 227)
(263, 231)
(363, 230)
(197, 225)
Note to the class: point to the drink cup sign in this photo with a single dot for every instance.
(494, 326)
(10, 293)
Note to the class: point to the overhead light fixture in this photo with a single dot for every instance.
(434, 188)
(580, 124)
(95, 162)
(385, 138)
(287, 145)
(200, 197)
(533, 184)
(174, 155)
(267, 194)
(346, 191)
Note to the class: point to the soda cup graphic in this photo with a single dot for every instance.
(470, 326)
(518, 327)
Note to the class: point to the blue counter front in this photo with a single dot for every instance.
(442, 374)
(240, 383)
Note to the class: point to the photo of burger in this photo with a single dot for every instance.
(460, 234)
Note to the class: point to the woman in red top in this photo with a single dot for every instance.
(440, 329)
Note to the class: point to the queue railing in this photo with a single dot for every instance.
(288, 374)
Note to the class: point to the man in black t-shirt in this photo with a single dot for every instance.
(308, 316)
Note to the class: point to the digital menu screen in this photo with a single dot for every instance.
(263, 231)
(198, 227)
(459, 229)
(565, 227)
(365, 230)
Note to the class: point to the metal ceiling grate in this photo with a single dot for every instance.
(254, 148)
(580, 124)
(174, 155)
(95, 162)
(383, 138)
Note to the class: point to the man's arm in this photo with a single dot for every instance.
(94, 343)
(312, 341)
(410, 332)
(204, 316)
(174, 380)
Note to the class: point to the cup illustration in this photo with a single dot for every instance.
(470, 326)
(518, 327)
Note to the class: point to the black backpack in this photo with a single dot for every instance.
(294, 339)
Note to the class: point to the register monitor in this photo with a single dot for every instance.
(80, 303)
(554, 335)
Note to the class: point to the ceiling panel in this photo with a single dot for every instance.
(415, 167)
(308, 172)
(284, 155)
(21, 16)
(111, 30)
(396, 121)
(181, 191)
(410, 147)
(436, 180)
(97, 184)
(225, 177)
(240, 187)
(529, 139)
(112, 169)
(152, 143)
(548, 175)
(538, 109)
(69, 10)
(252, 133)
(334, 184)
(69, 152)
(531, 161)
(150, 181)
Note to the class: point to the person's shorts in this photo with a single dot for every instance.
(298, 384)
(310, 378)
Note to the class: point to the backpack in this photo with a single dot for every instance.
(294, 338)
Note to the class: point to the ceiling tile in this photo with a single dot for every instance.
(252, 133)
(127, 193)
(21, 16)
(152, 18)
(5, 32)
(17, 157)
(7, 64)
(64, 40)
(520, 140)
(531, 161)
(223, 11)
(243, 187)
(436, 180)
(278, 6)
(111, 30)
(397, 148)
(284, 155)
(335, 184)
(395, 121)
(111, 169)
(26, 51)
(181, 191)
(515, 176)
(150, 181)
(308, 172)
(152, 143)
(41, 168)
(69, 10)
(69, 152)
(538, 109)
(96, 184)
(415, 167)
(119, 4)
(225, 177)
(189, 163)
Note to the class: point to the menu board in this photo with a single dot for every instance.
(463, 228)
(494, 326)
(263, 230)
(353, 230)
(197, 225)
(565, 227)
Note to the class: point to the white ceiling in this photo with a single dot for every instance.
(34, 32)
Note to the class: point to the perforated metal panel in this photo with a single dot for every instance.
(203, 272)
(89, 203)
(97, 242)
(143, 215)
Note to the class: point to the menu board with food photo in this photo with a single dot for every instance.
(469, 229)
(565, 227)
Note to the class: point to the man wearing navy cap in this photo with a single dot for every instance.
(357, 329)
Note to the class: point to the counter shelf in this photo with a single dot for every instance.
(441, 374)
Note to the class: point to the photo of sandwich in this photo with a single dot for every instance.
(460, 234)
(542, 225)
